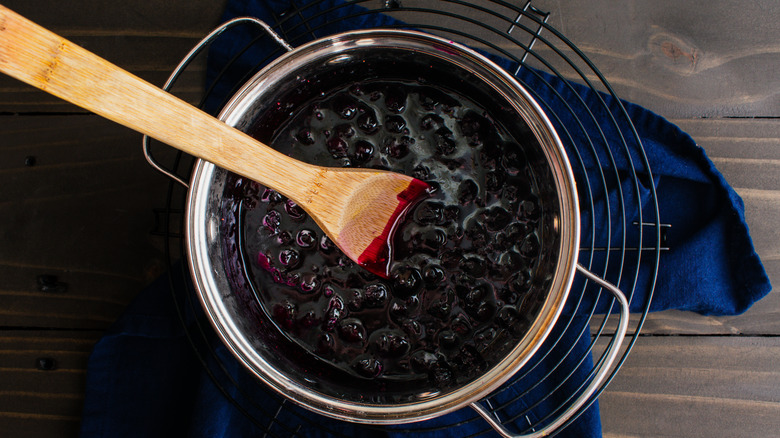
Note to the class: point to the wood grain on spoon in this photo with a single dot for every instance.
(357, 208)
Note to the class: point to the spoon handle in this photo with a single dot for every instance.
(45, 60)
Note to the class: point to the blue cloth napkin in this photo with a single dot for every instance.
(149, 376)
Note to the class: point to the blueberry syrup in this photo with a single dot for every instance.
(463, 283)
(378, 256)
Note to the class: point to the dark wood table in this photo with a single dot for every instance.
(77, 200)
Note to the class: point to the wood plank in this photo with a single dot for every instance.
(695, 387)
(734, 137)
(36, 402)
(146, 38)
(83, 212)
(681, 61)
(677, 58)
(681, 58)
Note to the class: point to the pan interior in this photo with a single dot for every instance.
(475, 263)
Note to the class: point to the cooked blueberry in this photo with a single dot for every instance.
(412, 328)
(520, 281)
(375, 295)
(440, 307)
(469, 360)
(271, 196)
(467, 191)
(421, 172)
(328, 291)
(476, 295)
(478, 234)
(515, 190)
(395, 124)
(294, 210)
(483, 311)
(334, 313)
(271, 221)
(530, 246)
(407, 281)
(289, 258)
(284, 314)
(326, 245)
(431, 121)
(450, 259)
(306, 238)
(395, 99)
(338, 147)
(441, 376)
(423, 361)
(507, 316)
(364, 151)
(398, 147)
(283, 238)
(305, 137)
(472, 124)
(529, 210)
(390, 344)
(433, 275)
(355, 301)
(345, 106)
(367, 122)
(461, 325)
(352, 330)
(310, 282)
(514, 160)
(430, 240)
(494, 181)
(345, 130)
(511, 261)
(496, 218)
(429, 213)
(368, 367)
(448, 339)
(474, 266)
(308, 320)
(445, 141)
(325, 345)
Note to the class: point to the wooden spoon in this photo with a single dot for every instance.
(359, 209)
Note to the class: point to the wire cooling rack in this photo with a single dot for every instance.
(621, 232)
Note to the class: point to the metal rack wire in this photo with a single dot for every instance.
(621, 232)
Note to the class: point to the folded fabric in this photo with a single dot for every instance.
(160, 371)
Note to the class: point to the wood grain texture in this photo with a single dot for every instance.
(695, 387)
(43, 402)
(677, 58)
(82, 212)
(681, 58)
(147, 38)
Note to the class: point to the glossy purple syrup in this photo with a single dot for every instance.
(463, 284)
(378, 256)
